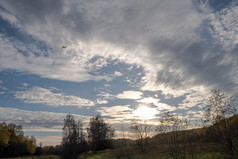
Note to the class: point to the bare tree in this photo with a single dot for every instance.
(170, 128)
(141, 131)
(219, 108)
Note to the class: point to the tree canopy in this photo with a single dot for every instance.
(13, 142)
(100, 134)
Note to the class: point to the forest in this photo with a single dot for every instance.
(217, 137)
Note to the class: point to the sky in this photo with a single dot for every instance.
(123, 60)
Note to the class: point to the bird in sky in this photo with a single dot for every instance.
(64, 46)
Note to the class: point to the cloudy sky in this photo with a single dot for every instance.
(122, 60)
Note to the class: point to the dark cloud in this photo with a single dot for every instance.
(187, 65)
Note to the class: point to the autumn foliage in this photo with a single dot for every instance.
(13, 142)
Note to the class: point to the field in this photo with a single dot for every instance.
(131, 154)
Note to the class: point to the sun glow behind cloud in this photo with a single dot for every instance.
(144, 112)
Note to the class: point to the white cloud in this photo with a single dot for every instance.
(117, 73)
(129, 95)
(101, 101)
(45, 96)
(149, 100)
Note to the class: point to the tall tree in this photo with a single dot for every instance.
(170, 127)
(219, 108)
(100, 134)
(73, 137)
(141, 131)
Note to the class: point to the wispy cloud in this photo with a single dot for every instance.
(225, 26)
(46, 96)
(118, 112)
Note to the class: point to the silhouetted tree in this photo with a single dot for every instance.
(171, 126)
(39, 150)
(49, 150)
(73, 141)
(219, 108)
(100, 134)
(141, 131)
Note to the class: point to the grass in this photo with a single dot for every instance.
(121, 154)
(133, 154)
(130, 154)
(106, 154)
